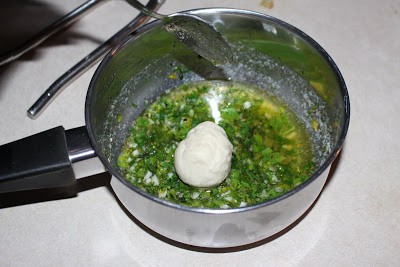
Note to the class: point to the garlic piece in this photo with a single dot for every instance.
(203, 159)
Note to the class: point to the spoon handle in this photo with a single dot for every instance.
(149, 12)
(68, 77)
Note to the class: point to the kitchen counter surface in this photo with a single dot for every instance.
(356, 220)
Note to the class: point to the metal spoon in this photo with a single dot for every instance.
(196, 33)
(88, 61)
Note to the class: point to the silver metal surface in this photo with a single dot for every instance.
(197, 34)
(275, 56)
(219, 228)
(61, 83)
(78, 145)
(88, 167)
(148, 11)
(81, 154)
(50, 30)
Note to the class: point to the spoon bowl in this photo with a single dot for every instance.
(197, 34)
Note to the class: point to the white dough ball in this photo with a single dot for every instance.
(203, 159)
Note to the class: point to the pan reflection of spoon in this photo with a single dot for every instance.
(196, 33)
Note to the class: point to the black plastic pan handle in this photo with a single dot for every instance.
(43, 160)
(36, 162)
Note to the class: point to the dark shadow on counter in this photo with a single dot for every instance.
(41, 195)
(20, 20)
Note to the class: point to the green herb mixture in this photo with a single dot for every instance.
(272, 150)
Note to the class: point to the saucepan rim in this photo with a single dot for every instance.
(206, 11)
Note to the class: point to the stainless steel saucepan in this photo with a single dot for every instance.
(268, 53)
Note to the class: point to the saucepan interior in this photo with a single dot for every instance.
(268, 53)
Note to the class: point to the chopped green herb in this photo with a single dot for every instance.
(119, 117)
(314, 124)
(272, 150)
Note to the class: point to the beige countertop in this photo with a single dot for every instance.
(356, 220)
